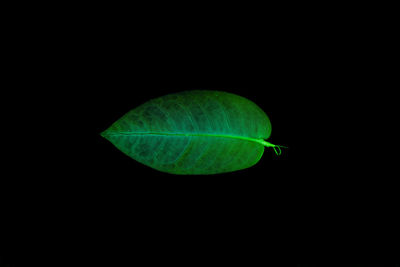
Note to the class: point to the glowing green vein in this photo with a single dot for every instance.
(260, 141)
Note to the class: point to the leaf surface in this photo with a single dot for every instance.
(193, 132)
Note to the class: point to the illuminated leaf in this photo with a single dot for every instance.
(194, 132)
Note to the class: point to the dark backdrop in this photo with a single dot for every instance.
(85, 201)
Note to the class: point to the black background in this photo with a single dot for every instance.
(80, 200)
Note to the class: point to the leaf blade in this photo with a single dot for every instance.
(193, 132)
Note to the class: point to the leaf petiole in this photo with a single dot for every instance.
(277, 148)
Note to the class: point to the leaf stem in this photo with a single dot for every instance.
(277, 148)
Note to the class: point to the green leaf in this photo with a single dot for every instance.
(194, 132)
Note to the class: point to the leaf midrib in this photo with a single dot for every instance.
(260, 141)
